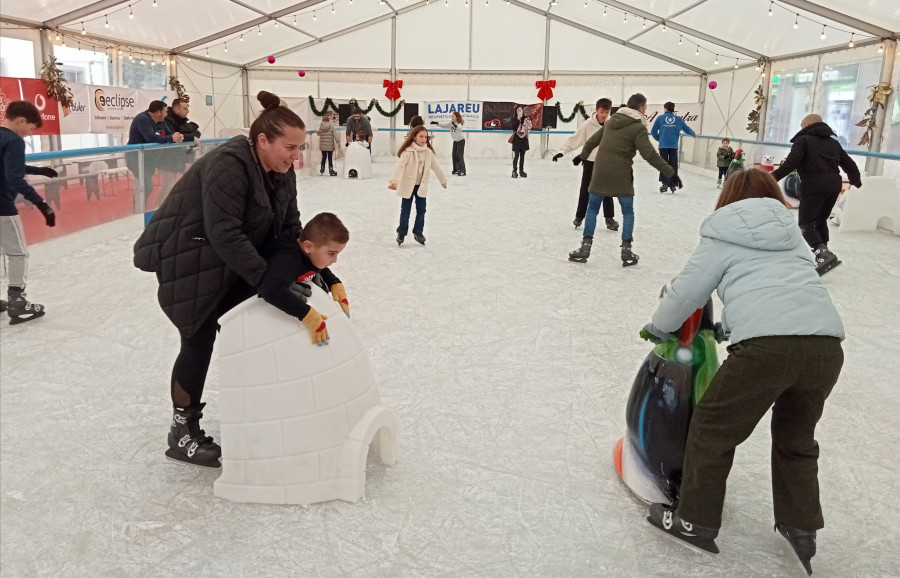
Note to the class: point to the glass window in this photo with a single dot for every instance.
(790, 99)
(893, 137)
(844, 95)
(84, 66)
(143, 73)
(16, 58)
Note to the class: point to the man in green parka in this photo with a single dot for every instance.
(623, 135)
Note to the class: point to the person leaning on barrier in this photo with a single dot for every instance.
(146, 128)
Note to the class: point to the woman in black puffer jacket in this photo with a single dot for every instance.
(204, 245)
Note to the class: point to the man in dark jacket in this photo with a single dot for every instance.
(174, 161)
(149, 127)
(816, 155)
(358, 124)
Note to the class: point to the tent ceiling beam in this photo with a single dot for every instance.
(391, 6)
(447, 71)
(839, 17)
(83, 11)
(262, 12)
(683, 29)
(341, 32)
(249, 24)
(608, 37)
(22, 23)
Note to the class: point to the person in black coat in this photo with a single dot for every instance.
(817, 156)
(519, 141)
(204, 243)
(176, 159)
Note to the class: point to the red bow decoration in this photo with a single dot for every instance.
(393, 89)
(545, 87)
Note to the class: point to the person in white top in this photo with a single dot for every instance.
(410, 180)
(575, 142)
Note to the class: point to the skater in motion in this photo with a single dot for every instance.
(410, 180)
(519, 141)
(817, 156)
(204, 245)
(785, 355)
(724, 156)
(459, 142)
(577, 140)
(667, 128)
(22, 118)
(617, 141)
(326, 144)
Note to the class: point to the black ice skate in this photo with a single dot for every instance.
(718, 183)
(577, 222)
(825, 259)
(581, 255)
(420, 239)
(802, 541)
(515, 175)
(672, 188)
(332, 172)
(461, 173)
(611, 224)
(400, 239)
(523, 174)
(19, 309)
(669, 522)
(190, 444)
(663, 188)
(628, 258)
(322, 170)
(2, 306)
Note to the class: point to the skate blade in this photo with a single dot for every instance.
(178, 457)
(578, 259)
(629, 263)
(24, 318)
(713, 549)
(823, 271)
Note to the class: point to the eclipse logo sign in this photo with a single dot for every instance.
(116, 101)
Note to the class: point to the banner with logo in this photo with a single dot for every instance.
(33, 90)
(113, 108)
(76, 119)
(689, 112)
(502, 115)
(443, 111)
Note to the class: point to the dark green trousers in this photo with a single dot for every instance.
(793, 375)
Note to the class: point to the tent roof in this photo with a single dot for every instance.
(600, 35)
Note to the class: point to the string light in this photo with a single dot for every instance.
(154, 3)
(242, 38)
(644, 26)
(770, 7)
(664, 26)
(57, 34)
(679, 40)
(259, 29)
(332, 8)
(851, 41)
(107, 21)
(717, 59)
(625, 19)
(881, 49)
(83, 32)
(823, 33)
(314, 14)
(226, 47)
(697, 53)
(796, 21)
(604, 10)
(295, 19)
(276, 24)
(130, 12)
(735, 63)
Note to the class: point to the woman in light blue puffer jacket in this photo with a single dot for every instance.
(785, 354)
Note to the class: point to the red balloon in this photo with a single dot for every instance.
(302, 73)
(713, 84)
(271, 60)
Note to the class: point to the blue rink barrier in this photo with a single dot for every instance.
(147, 216)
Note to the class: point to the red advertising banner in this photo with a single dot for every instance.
(33, 90)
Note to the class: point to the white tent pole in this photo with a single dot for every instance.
(875, 166)
(245, 93)
(545, 138)
(471, 26)
(394, 75)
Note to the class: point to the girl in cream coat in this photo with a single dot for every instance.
(410, 180)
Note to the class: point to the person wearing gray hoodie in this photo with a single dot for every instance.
(785, 355)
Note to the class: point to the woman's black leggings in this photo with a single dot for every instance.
(519, 157)
(192, 363)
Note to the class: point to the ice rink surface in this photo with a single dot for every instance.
(508, 368)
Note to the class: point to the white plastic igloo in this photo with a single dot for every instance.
(358, 158)
(296, 419)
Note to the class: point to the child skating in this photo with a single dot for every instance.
(724, 156)
(410, 180)
(326, 144)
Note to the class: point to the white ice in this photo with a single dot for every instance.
(508, 367)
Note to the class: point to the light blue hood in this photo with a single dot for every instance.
(752, 253)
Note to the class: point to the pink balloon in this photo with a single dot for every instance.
(271, 59)
(713, 84)
(302, 73)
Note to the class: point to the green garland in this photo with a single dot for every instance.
(328, 103)
(364, 110)
(578, 108)
(386, 113)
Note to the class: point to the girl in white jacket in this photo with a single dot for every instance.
(410, 180)
(459, 142)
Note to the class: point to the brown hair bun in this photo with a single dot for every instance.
(268, 100)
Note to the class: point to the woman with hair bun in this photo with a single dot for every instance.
(204, 245)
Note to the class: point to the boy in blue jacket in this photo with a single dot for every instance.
(22, 118)
(666, 130)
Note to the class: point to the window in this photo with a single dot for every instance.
(843, 97)
(16, 58)
(790, 100)
(84, 66)
(151, 75)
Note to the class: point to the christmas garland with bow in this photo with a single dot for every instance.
(328, 103)
(578, 108)
(372, 104)
(878, 96)
(56, 82)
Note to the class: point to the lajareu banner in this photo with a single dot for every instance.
(502, 115)
(442, 112)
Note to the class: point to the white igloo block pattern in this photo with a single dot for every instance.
(876, 204)
(297, 418)
(359, 158)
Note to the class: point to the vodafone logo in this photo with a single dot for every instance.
(116, 101)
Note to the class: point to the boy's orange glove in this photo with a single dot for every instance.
(316, 323)
(339, 294)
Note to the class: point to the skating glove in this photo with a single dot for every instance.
(339, 294)
(46, 172)
(301, 290)
(557, 156)
(316, 323)
(576, 161)
(721, 335)
(676, 181)
(652, 333)
(48, 213)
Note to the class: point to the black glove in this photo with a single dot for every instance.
(857, 184)
(720, 333)
(48, 213)
(576, 161)
(46, 172)
(557, 156)
(346, 144)
(434, 122)
(676, 181)
(301, 290)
